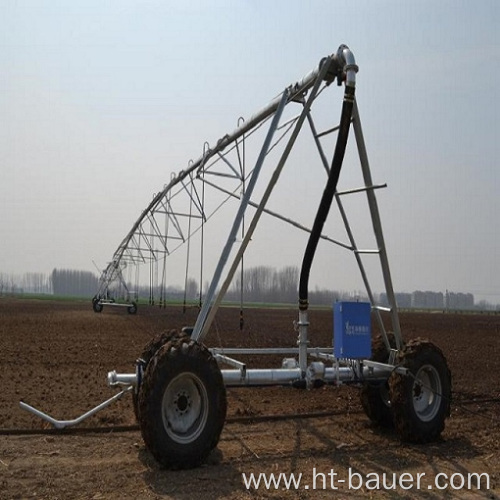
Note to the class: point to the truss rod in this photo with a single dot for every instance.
(329, 131)
(178, 214)
(157, 232)
(276, 215)
(322, 154)
(197, 201)
(228, 163)
(360, 190)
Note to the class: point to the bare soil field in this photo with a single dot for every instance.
(56, 355)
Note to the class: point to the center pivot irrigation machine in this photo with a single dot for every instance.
(179, 387)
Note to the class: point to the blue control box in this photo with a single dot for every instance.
(352, 331)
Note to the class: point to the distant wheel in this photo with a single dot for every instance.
(182, 404)
(96, 305)
(374, 396)
(132, 309)
(421, 400)
(150, 349)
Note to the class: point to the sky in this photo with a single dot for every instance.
(101, 101)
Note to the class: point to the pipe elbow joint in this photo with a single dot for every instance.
(346, 59)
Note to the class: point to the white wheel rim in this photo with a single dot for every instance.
(185, 408)
(426, 392)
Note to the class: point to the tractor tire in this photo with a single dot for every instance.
(96, 305)
(421, 400)
(132, 309)
(150, 349)
(374, 396)
(182, 403)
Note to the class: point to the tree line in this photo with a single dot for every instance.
(60, 282)
(270, 285)
(39, 283)
(259, 284)
(71, 282)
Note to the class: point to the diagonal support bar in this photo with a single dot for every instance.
(202, 317)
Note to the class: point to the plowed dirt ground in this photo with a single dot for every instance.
(56, 355)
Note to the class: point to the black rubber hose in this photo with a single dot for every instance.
(327, 198)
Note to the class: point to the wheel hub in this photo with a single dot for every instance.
(182, 403)
(185, 408)
(426, 392)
